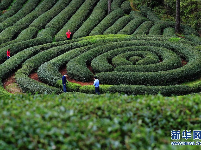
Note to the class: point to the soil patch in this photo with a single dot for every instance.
(34, 76)
(63, 71)
(184, 62)
(11, 85)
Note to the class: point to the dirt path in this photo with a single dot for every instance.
(11, 85)
(64, 71)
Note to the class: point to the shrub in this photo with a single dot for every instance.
(29, 6)
(98, 13)
(71, 87)
(118, 25)
(107, 22)
(169, 32)
(89, 89)
(10, 32)
(4, 4)
(132, 25)
(144, 28)
(125, 6)
(158, 27)
(47, 16)
(116, 4)
(27, 34)
(60, 20)
(48, 72)
(144, 122)
(16, 6)
(76, 20)
(146, 11)
(194, 39)
(29, 85)
(143, 90)
(16, 47)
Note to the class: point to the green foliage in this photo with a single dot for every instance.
(118, 25)
(28, 7)
(118, 121)
(71, 87)
(18, 46)
(169, 32)
(89, 89)
(174, 39)
(125, 6)
(16, 6)
(137, 20)
(10, 32)
(106, 121)
(146, 11)
(107, 22)
(28, 33)
(3, 93)
(144, 28)
(76, 20)
(5, 4)
(99, 12)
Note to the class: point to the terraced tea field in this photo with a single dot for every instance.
(133, 52)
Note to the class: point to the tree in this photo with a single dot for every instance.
(109, 6)
(177, 25)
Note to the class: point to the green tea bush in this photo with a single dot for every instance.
(5, 4)
(47, 16)
(60, 20)
(169, 32)
(159, 26)
(125, 6)
(118, 121)
(77, 67)
(143, 90)
(28, 34)
(132, 26)
(18, 46)
(76, 20)
(71, 87)
(118, 25)
(15, 61)
(28, 7)
(148, 58)
(47, 33)
(89, 89)
(116, 4)
(16, 6)
(148, 13)
(144, 28)
(107, 22)
(99, 12)
(49, 73)
(10, 32)
(34, 62)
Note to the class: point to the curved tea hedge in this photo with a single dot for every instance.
(128, 64)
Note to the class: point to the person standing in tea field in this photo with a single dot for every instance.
(8, 53)
(64, 81)
(96, 84)
(68, 34)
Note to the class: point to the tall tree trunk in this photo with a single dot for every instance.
(109, 6)
(177, 25)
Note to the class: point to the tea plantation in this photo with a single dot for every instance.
(150, 77)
